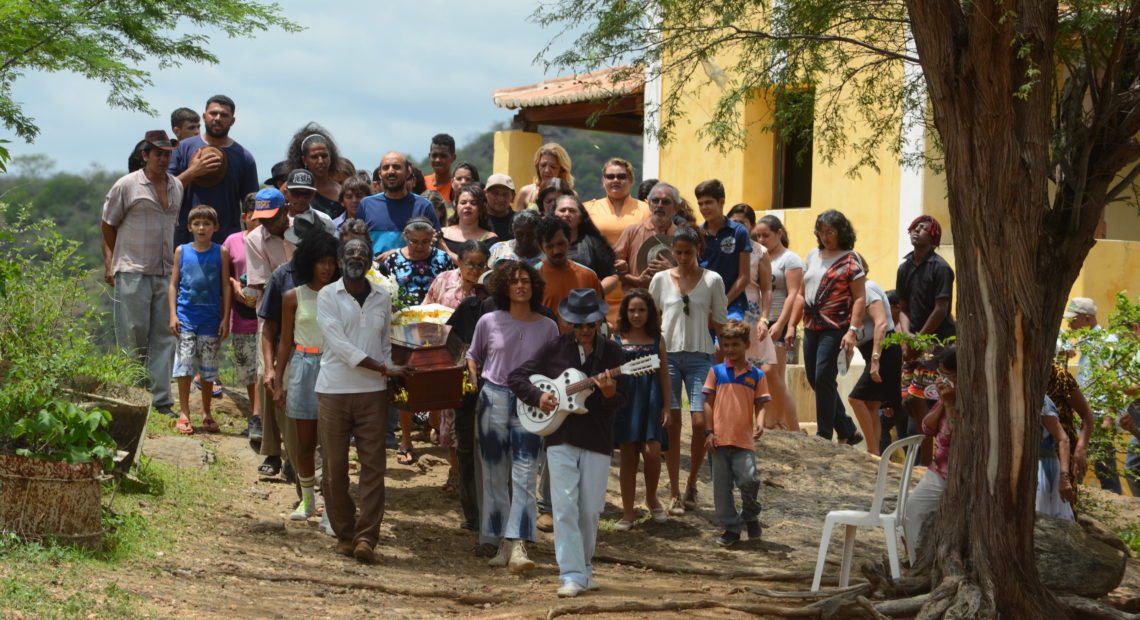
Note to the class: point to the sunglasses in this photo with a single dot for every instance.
(685, 299)
(584, 325)
(661, 201)
(621, 176)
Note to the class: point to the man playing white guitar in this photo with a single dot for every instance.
(578, 452)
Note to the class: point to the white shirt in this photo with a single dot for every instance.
(352, 333)
(689, 332)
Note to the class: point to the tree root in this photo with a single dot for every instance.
(1096, 610)
(633, 607)
(691, 570)
(832, 605)
(466, 598)
(859, 589)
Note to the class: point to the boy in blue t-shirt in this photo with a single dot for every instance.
(199, 297)
(735, 393)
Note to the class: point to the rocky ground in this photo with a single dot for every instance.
(243, 558)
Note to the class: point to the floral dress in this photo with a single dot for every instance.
(415, 276)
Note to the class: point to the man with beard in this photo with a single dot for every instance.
(354, 315)
(387, 212)
(561, 274)
(663, 200)
(215, 171)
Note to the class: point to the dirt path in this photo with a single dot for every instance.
(236, 558)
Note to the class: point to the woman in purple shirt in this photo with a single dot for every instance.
(508, 453)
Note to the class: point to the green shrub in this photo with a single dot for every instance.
(48, 318)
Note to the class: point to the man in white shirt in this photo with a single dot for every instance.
(352, 391)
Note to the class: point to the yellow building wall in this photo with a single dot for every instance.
(1111, 266)
(514, 155)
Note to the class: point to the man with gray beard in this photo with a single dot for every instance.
(352, 394)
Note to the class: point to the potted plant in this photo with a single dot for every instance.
(53, 450)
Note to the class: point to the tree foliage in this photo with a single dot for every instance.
(1036, 107)
(110, 41)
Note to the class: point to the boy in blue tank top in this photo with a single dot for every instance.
(199, 299)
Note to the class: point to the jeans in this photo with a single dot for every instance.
(509, 456)
(693, 369)
(142, 327)
(578, 480)
(899, 421)
(1132, 466)
(735, 468)
(544, 506)
(1108, 475)
(821, 355)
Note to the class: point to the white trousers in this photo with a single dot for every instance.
(578, 481)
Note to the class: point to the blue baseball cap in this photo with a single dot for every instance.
(266, 203)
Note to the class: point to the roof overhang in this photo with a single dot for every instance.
(612, 98)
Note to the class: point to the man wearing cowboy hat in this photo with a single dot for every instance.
(578, 453)
(138, 261)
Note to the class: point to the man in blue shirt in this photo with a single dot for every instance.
(728, 249)
(387, 212)
(215, 171)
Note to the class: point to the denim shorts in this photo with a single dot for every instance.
(300, 396)
(693, 369)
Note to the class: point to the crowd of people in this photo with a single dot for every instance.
(197, 250)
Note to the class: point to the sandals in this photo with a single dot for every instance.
(405, 457)
(452, 481)
(210, 425)
(184, 426)
(270, 467)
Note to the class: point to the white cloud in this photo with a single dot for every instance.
(379, 76)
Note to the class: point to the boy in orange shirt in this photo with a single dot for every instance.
(735, 393)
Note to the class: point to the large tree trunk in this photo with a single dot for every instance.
(1012, 287)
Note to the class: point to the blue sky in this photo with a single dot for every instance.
(379, 76)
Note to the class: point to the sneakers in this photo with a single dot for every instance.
(690, 500)
(570, 589)
(545, 522)
(753, 529)
(658, 514)
(364, 553)
(503, 556)
(255, 432)
(728, 539)
(519, 563)
(326, 525)
(676, 508)
(307, 508)
(623, 525)
(167, 410)
(855, 439)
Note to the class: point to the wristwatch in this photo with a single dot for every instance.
(708, 431)
(854, 329)
(875, 356)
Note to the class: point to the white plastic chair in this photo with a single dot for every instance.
(874, 517)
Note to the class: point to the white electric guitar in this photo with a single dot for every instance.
(572, 388)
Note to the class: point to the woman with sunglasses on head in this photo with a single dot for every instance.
(692, 299)
(834, 301)
(313, 149)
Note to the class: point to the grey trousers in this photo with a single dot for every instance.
(142, 327)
